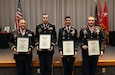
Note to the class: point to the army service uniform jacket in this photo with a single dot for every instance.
(50, 29)
(13, 43)
(86, 34)
(65, 35)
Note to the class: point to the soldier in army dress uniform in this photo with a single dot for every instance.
(90, 32)
(67, 33)
(23, 59)
(45, 55)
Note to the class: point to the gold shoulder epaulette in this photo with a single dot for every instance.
(84, 27)
(32, 30)
(73, 27)
(98, 27)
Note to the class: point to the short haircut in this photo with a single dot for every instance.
(91, 17)
(21, 19)
(44, 14)
(67, 17)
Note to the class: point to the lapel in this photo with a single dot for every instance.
(71, 29)
(66, 30)
(26, 32)
(88, 30)
(19, 33)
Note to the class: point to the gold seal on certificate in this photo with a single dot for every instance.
(22, 44)
(68, 47)
(93, 47)
(44, 41)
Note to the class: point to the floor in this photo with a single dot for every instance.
(7, 55)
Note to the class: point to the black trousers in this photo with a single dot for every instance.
(68, 64)
(23, 67)
(89, 65)
(45, 64)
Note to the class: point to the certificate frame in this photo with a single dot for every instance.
(45, 41)
(68, 47)
(7, 28)
(22, 44)
(93, 47)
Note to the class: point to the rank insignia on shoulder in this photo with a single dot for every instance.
(50, 28)
(84, 27)
(32, 30)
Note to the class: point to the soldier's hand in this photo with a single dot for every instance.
(38, 49)
(61, 54)
(15, 51)
(75, 54)
(101, 53)
(50, 48)
(29, 51)
(85, 47)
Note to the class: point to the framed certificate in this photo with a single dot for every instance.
(7, 28)
(45, 41)
(68, 47)
(22, 44)
(93, 47)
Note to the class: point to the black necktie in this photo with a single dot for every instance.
(68, 30)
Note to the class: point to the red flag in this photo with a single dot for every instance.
(99, 13)
(105, 16)
(18, 15)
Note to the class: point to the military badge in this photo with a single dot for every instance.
(85, 32)
(63, 33)
(26, 32)
(15, 35)
(97, 31)
(63, 37)
(64, 28)
(73, 32)
(29, 34)
(50, 28)
(68, 37)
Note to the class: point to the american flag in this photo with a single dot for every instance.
(18, 15)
